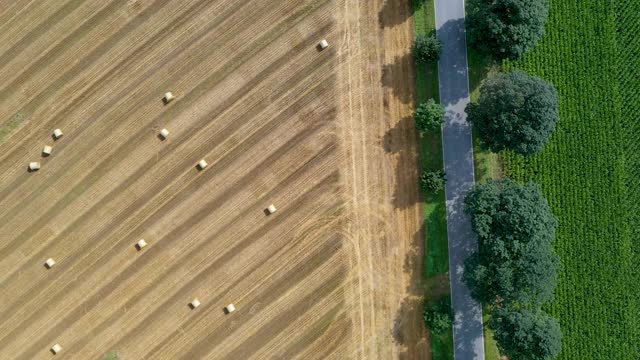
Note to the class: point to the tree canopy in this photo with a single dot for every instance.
(432, 181)
(515, 262)
(429, 116)
(427, 49)
(515, 111)
(506, 29)
(438, 316)
(526, 334)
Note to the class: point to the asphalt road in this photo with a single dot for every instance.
(458, 162)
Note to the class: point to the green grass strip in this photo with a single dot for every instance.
(491, 351)
(436, 260)
(436, 257)
(442, 345)
(426, 76)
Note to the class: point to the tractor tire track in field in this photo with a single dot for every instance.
(74, 160)
(140, 133)
(143, 200)
(134, 140)
(264, 106)
(182, 228)
(7, 17)
(36, 33)
(97, 298)
(46, 56)
(185, 165)
(116, 72)
(297, 245)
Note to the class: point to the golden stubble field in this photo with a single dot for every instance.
(323, 135)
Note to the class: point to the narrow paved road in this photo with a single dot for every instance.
(458, 163)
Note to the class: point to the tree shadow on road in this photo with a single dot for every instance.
(452, 65)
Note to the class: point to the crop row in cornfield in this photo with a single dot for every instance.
(628, 26)
(588, 173)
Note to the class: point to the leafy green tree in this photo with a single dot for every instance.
(526, 334)
(515, 262)
(506, 29)
(515, 111)
(429, 116)
(438, 316)
(432, 181)
(427, 49)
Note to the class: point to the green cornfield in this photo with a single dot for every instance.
(628, 25)
(589, 172)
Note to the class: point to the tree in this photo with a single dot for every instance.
(438, 316)
(515, 262)
(432, 181)
(427, 49)
(515, 111)
(506, 29)
(526, 334)
(429, 116)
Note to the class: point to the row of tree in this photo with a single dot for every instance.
(429, 115)
(504, 29)
(514, 271)
(515, 112)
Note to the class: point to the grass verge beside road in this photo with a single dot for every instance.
(487, 165)
(442, 345)
(436, 249)
(491, 351)
(436, 257)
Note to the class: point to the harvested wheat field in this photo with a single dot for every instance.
(322, 135)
